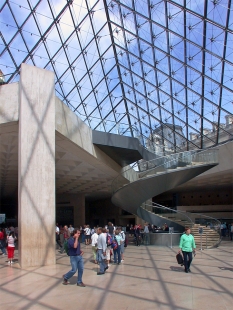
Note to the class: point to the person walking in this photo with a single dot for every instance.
(94, 239)
(137, 232)
(11, 247)
(2, 242)
(231, 231)
(117, 251)
(76, 259)
(110, 229)
(57, 234)
(66, 236)
(101, 251)
(122, 233)
(71, 228)
(146, 234)
(87, 235)
(187, 246)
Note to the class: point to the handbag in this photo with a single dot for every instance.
(179, 258)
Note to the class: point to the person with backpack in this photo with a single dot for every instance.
(76, 259)
(117, 250)
(66, 235)
(111, 229)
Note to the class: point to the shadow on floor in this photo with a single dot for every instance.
(226, 268)
(177, 268)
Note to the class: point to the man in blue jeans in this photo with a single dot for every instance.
(76, 259)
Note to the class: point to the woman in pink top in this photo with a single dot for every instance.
(11, 247)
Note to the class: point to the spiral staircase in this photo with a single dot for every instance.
(146, 179)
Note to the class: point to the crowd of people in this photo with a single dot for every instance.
(226, 230)
(140, 233)
(106, 242)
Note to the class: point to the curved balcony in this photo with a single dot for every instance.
(145, 180)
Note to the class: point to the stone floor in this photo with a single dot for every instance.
(148, 279)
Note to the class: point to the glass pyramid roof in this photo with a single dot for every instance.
(158, 70)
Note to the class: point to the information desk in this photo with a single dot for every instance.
(164, 239)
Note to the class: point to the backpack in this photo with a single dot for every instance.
(108, 239)
(66, 247)
(114, 244)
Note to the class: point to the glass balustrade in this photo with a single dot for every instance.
(164, 164)
(173, 215)
(211, 227)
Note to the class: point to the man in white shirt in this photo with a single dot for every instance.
(87, 235)
(122, 233)
(101, 252)
(94, 239)
(57, 232)
(71, 228)
(146, 234)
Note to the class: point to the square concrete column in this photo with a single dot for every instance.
(36, 179)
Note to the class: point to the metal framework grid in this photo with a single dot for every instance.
(131, 66)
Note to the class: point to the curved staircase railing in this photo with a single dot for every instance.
(147, 179)
(211, 227)
(164, 164)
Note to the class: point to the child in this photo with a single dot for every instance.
(11, 247)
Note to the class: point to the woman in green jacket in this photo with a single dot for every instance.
(187, 246)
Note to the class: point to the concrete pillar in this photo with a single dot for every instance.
(78, 201)
(36, 178)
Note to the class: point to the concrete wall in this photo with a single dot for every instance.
(72, 127)
(9, 105)
(216, 211)
(207, 197)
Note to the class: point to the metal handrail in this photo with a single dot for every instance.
(183, 157)
(175, 211)
(187, 215)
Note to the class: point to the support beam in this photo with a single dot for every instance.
(36, 178)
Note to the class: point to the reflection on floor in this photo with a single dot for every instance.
(149, 278)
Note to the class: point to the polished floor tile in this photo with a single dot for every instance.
(149, 278)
